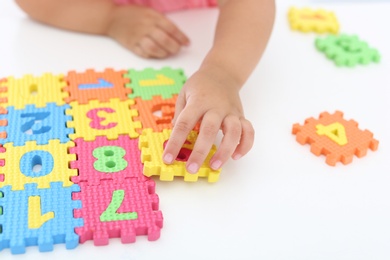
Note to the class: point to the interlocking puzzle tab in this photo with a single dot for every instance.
(336, 138)
(309, 20)
(70, 158)
(347, 50)
(152, 146)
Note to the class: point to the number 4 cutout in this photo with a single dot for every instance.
(110, 213)
(335, 131)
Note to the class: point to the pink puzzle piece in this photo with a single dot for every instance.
(124, 210)
(104, 159)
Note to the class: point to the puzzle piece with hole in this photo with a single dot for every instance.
(152, 146)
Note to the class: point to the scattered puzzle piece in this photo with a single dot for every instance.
(347, 50)
(336, 138)
(308, 20)
(152, 146)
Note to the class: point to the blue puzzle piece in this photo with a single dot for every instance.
(36, 124)
(19, 230)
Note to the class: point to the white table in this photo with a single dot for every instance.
(280, 201)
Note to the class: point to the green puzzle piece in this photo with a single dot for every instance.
(150, 82)
(347, 50)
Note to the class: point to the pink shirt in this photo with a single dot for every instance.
(170, 5)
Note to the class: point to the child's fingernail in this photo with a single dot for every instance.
(216, 165)
(168, 158)
(237, 156)
(193, 168)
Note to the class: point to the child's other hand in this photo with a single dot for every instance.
(214, 100)
(145, 32)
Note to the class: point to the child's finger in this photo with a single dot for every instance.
(179, 106)
(209, 128)
(173, 30)
(184, 124)
(246, 141)
(232, 134)
(165, 41)
(151, 48)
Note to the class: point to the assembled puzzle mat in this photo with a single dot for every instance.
(77, 153)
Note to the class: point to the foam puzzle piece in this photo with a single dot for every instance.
(92, 85)
(118, 159)
(34, 90)
(149, 82)
(35, 124)
(156, 113)
(41, 217)
(309, 20)
(152, 146)
(109, 119)
(133, 214)
(20, 161)
(347, 50)
(336, 138)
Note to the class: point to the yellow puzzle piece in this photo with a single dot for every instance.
(151, 145)
(308, 20)
(52, 158)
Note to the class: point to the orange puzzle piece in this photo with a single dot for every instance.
(156, 113)
(91, 85)
(336, 138)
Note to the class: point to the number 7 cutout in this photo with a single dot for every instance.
(111, 214)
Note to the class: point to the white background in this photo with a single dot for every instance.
(280, 201)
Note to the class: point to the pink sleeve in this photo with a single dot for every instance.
(170, 5)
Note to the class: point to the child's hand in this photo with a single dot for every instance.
(146, 32)
(214, 100)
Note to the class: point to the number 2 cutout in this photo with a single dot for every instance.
(36, 119)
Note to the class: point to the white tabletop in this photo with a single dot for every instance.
(280, 201)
